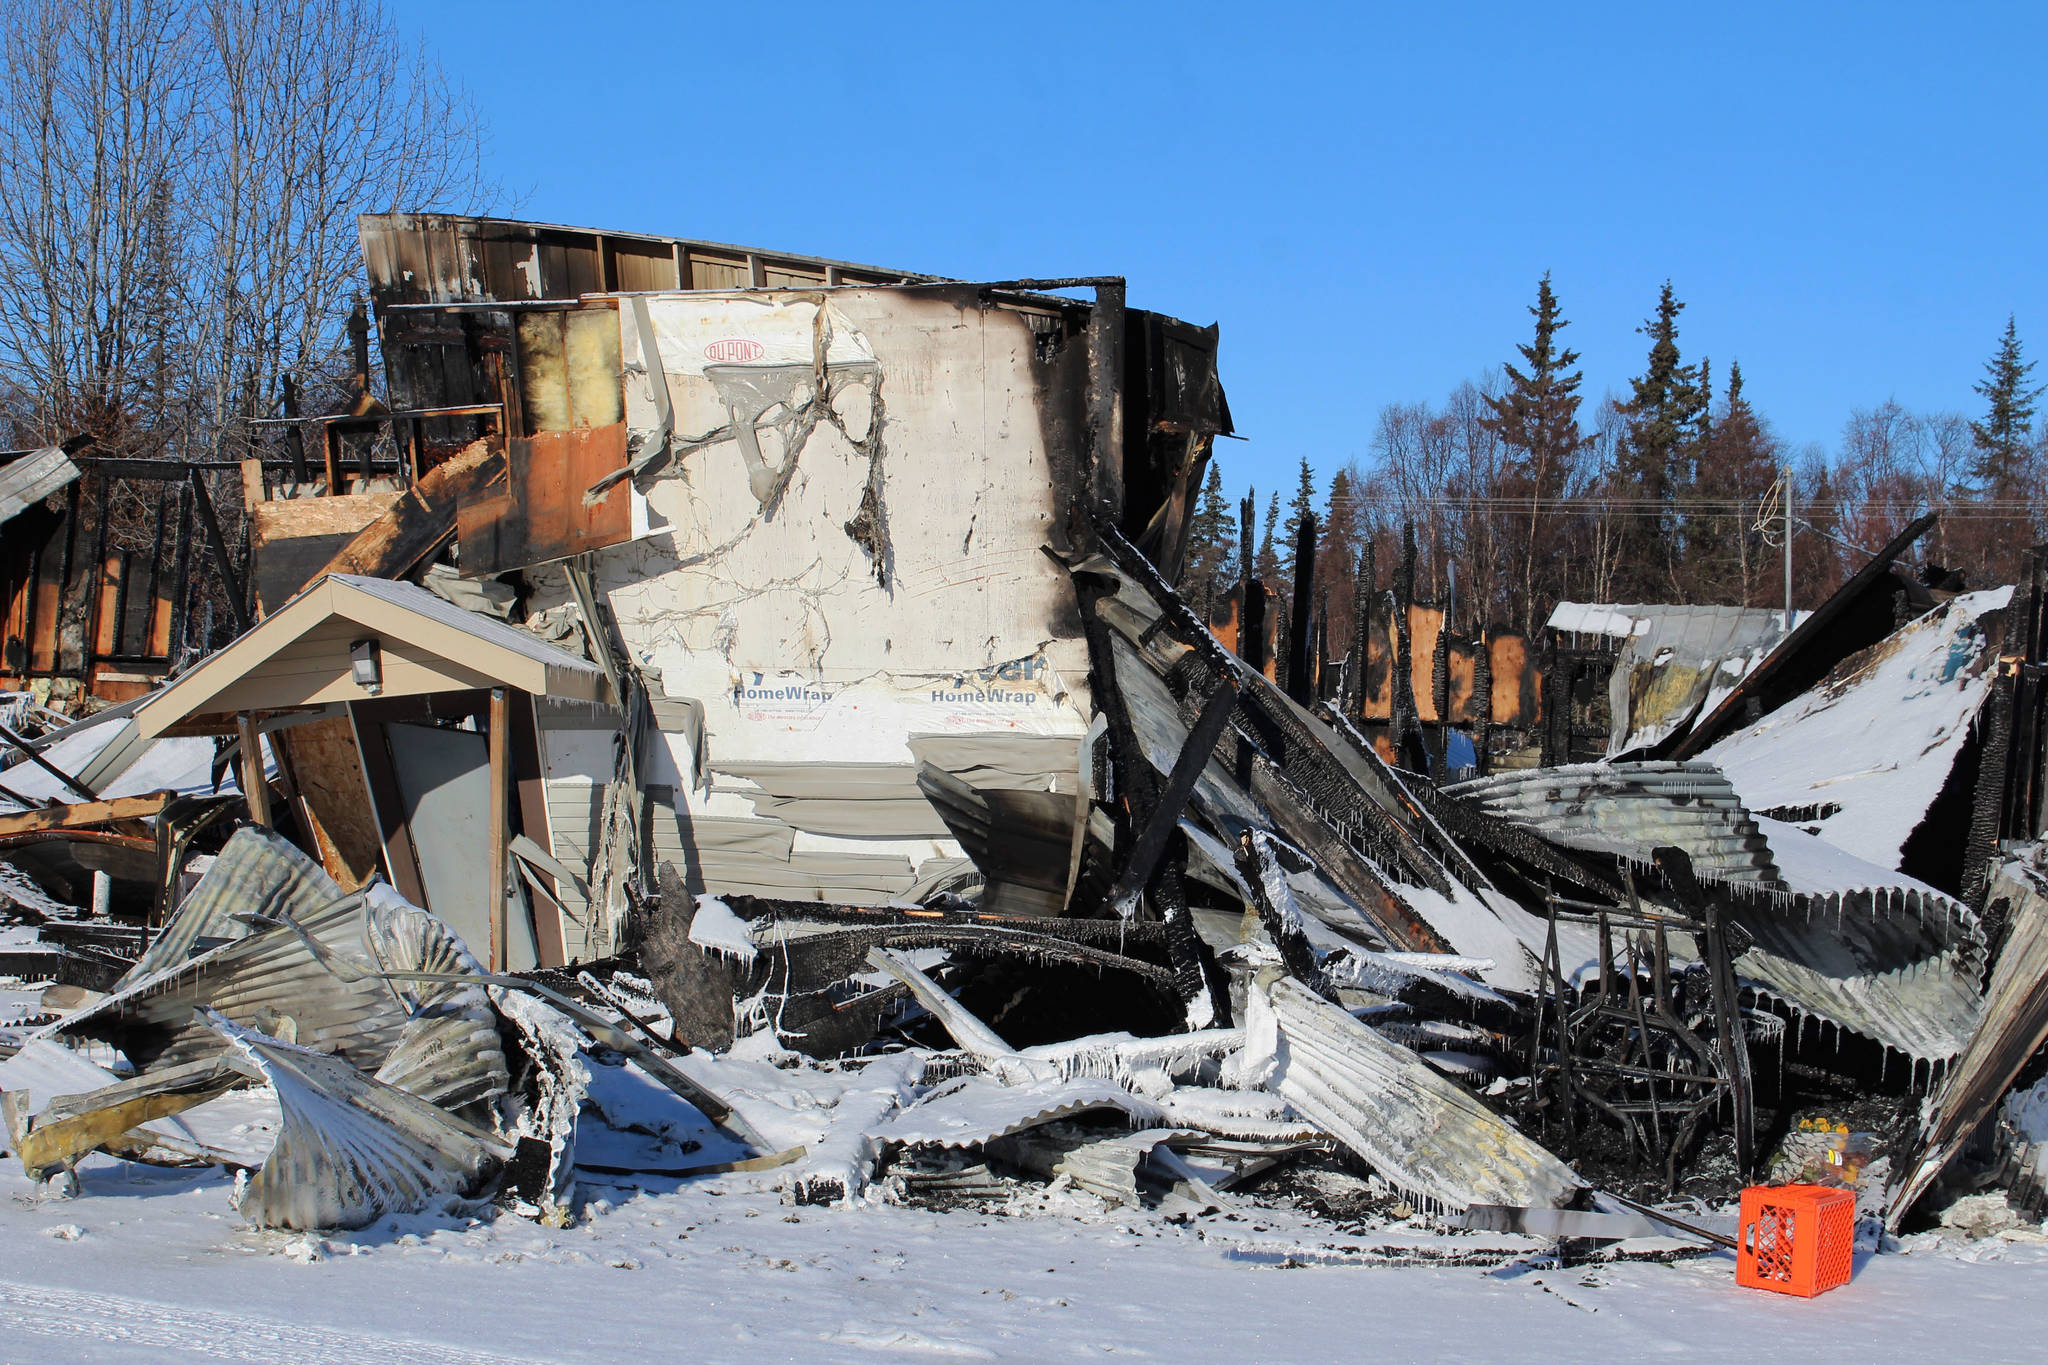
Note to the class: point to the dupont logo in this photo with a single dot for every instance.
(734, 348)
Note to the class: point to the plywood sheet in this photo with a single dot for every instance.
(324, 763)
(295, 538)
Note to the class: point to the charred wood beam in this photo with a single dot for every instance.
(295, 439)
(1173, 612)
(1296, 952)
(1105, 331)
(1202, 988)
(1301, 679)
(1363, 589)
(1251, 594)
(1283, 646)
(1482, 693)
(230, 575)
(1300, 823)
(181, 573)
(1440, 699)
(1406, 727)
(1164, 816)
(1133, 785)
(423, 517)
(1319, 659)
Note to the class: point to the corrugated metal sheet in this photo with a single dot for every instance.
(1895, 964)
(1423, 1133)
(350, 1149)
(1628, 809)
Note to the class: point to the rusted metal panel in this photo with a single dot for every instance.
(540, 516)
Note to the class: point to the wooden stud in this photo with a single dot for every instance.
(84, 813)
(327, 458)
(253, 784)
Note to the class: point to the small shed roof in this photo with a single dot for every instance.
(299, 656)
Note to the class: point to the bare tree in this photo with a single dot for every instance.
(179, 181)
(95, 147)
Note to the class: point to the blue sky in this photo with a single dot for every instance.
(1849, 199)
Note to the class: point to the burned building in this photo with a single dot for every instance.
(813, 502)
(742, 656)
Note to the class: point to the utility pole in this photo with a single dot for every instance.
(1788, 549)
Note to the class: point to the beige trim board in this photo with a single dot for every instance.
(299, 656)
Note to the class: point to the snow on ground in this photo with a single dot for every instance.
(151, 1265)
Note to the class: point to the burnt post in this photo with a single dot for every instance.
(1300, 634)
(1251, 594)
(1319, 658)
(1406, 737)
(1440, 696)
(1105, 335)
(1283, 648)
(294, 439)
(359, 348)
(1364, 589)
(1482, 697)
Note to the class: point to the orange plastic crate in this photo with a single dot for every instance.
(1796, 1239)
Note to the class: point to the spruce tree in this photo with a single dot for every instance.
(1737, 461)
(1299, 508)
(1663, 414)
(1337, 557)
(2001, 437)
(1537, 418)
(1268, 560)
(1210, 568)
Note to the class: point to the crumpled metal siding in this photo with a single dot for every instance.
(1628, 809)
(1899, 965)
(1420, 1131)
(349, 1149)
(450, 1051)
(258, 874)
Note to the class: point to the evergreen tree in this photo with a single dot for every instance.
(1210, 568)
(1337, 558)
(2001, 437)
(1268, 560)
(1736, 464)
(1663, 414)
(1301, 506)
(1537, 418)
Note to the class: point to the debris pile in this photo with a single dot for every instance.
(671, 776)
